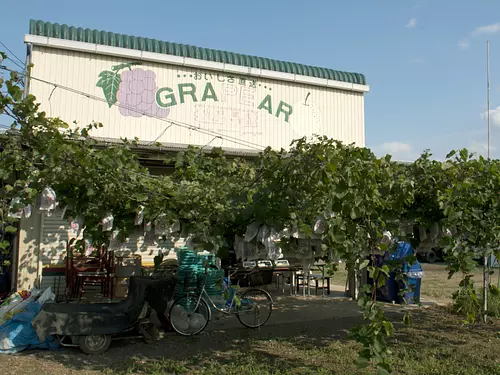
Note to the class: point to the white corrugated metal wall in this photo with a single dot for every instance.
(56, 232)
(336, 113)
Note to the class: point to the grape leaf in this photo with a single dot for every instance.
(109, 82)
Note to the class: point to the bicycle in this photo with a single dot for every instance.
(190, 314)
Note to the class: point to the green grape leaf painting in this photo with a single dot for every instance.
(109, 82)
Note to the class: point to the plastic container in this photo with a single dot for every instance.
(414, 275)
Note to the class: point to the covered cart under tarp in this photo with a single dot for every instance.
(75, 319)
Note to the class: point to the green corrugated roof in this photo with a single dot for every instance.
(54, 30)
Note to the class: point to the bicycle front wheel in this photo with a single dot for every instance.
(188, 316)
(255, 308)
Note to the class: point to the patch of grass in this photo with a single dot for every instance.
(436, 343)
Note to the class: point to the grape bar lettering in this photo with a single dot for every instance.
(166, 97)
(137, 94)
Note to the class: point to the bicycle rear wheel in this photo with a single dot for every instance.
(188, 317)
(255, 308)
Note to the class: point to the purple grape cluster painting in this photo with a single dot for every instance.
(134, 89)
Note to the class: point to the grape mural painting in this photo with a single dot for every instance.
(133, 88)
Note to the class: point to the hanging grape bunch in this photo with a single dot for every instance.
(134, 90)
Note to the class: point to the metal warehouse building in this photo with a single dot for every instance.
(177, 95)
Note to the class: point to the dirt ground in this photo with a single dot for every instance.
(297, 327)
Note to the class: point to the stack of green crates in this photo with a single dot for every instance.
(191, 274)
(187, 274)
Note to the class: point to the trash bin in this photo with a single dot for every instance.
(414, 275)
(389, 291)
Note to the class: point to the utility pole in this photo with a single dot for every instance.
(485, 260)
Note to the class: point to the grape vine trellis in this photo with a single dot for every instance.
(358, 195)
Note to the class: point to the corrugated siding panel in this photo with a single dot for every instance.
(55, 234)
(335, 113)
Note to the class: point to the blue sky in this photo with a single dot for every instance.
(424, 60)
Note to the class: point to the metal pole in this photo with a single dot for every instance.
(488, 83)
(485, 262)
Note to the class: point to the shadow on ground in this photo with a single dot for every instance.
(313, 322)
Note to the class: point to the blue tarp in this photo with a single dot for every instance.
(403, 250)
(18, 334)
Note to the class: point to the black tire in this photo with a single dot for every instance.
(252, 296)
(431, 256)
(190, 303)
(94, 344)
(150, 334)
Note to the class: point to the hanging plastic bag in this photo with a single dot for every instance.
(139, 217)
(16, 209)
(252, 231)
(285, 233)
(161, 226)
(263, 233)
(175, 227)
(329, 214)
(320, 226)
(386, 238)
(107, 223)
(148, 226)
(271, 248)
(89, 249)
(27, 211)
(48, 200)
(274, 235)
(76, 224)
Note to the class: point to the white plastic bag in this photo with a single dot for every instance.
(386, 238)
(252, 231)
(16, 210)
(320, 226)
(27, 211)
(139, 217)
(77, 224)
(48, 201)
(46, 296)
(263, 233)
(107, 223)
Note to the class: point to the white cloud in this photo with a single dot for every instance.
(399, 151)
(480, 148)
(463, 44)
(494, 116)
(478, 31)
(393, 147)
(488, 29)
(412, 23)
